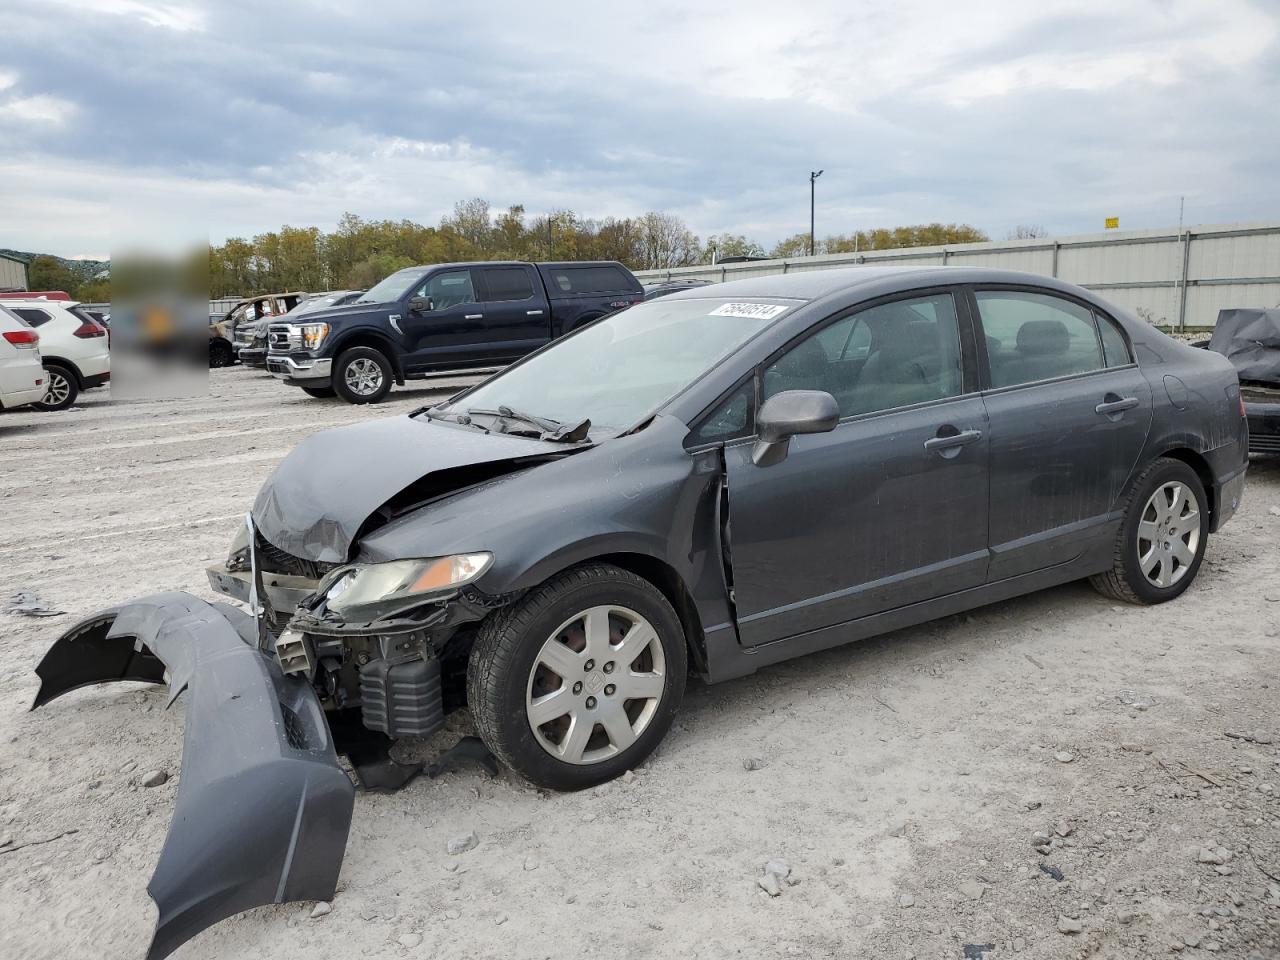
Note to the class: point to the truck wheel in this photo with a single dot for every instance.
(578, 682)
(1162, 538)
(221, 354)
(362, 375)
(322, 393)
(63, 388)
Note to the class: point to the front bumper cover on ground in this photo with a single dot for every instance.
(263, 808)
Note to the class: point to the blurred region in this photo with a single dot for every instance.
(160, 321)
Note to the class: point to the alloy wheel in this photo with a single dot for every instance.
(1168, 534)
(363, 377)
(59, 389)
(595, 685)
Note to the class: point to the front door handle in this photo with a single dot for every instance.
(473, 316)
(949, 441)
(1112, 404)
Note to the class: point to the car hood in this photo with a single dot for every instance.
(328, 488)
(336, 313)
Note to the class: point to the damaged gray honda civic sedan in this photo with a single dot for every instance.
(710, 482)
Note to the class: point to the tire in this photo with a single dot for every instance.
(320, 393)
(508, 675)
(1170, 570)
(362, 375)
(221, 354)
(63, 388)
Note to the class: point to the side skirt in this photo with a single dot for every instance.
(727, 660)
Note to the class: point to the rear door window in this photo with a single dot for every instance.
(505, 283)
(594, 279)
(1036, 336)
(1115, 350)
(32, 316)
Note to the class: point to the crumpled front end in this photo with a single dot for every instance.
(263, 807)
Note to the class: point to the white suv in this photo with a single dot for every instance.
(22, 376)
(74, 346)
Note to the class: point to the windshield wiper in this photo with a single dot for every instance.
(548, 429)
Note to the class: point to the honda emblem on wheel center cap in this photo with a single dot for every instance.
(595, 682)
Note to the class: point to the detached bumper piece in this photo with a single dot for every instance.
(263, 808)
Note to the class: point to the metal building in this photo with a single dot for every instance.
(13, 273)
(1169, 278)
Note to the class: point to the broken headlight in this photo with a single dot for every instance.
(365, 585)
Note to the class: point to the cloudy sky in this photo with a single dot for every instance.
(235, 117)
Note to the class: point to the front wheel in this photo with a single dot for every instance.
(221, 354)
(63, 389)
(1162, 538)
(362, 375)
(579, 681)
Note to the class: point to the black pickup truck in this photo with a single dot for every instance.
(428, 320)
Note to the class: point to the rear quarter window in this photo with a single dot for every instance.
(598, 279)
(32, 316)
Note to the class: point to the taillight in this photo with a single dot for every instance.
(1242, 411)
(22, 338)
(88, 330)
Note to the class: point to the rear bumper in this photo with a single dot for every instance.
(263, 808)
(96, 367)
(1264, 427)
(306, 373)
(21, 398)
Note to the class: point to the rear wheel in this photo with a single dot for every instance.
(318, 392)
(362, 375)
(63, 388)
(1162, 539)
(221, 354)
(579, 681)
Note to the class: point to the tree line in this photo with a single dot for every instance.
(359, 252)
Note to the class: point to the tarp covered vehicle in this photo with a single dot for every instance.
(1250, 339)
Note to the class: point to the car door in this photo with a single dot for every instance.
(1069, 413)
(452, 333)
(889, 508)
(516, 318)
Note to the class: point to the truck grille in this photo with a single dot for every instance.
(281, 340)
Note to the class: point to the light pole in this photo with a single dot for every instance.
(812, 177)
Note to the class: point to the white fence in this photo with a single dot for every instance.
(1170, 278)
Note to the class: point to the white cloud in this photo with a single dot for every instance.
(182, 17)
(40, 108)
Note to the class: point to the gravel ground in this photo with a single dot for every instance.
(906, 781)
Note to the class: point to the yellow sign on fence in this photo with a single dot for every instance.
(1112, 223)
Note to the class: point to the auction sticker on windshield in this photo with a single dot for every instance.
(755, 311)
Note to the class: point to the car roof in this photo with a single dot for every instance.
(816, 284)
(39, 302)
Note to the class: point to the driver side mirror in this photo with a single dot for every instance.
(421, 304)
(789, 413)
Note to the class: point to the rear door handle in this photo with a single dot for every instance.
(949, 444)
(1112, 404)
(474, 316)
(533, 313)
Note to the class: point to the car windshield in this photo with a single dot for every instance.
(393, 286)
(627, 365)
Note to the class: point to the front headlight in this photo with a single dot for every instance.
(313, 334)
(367, 584)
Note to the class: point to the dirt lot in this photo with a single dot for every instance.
(903, 780)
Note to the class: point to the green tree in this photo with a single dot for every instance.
(49, 273)
(732, 245)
